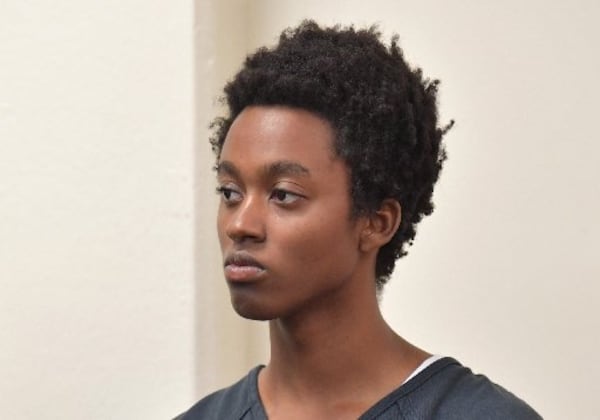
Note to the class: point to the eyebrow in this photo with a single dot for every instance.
(226, 168)
(271, 170)
(286, 167)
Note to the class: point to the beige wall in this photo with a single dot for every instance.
(96, 209)
(112, 300)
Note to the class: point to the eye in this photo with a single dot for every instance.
(229, 195)
(284, 196)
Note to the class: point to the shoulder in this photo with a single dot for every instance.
(234, 402)
(447, 390)
(474, 396)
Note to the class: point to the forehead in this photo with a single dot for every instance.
(275, 133)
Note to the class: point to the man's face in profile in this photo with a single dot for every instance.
(284, 223)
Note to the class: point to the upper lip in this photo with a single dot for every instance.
(242, 258)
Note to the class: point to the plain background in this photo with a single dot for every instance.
(112, 303)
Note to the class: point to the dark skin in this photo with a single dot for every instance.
(295, 256)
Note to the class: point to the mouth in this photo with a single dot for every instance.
(242, 267)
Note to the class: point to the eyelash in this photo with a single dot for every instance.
(223, 191)
(278, 191)
(276, 194)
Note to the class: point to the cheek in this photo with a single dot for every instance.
(321, 243)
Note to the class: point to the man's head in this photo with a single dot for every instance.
(382, 112)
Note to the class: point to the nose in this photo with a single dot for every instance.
(246, 221)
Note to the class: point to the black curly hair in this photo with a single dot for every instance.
(383, 113)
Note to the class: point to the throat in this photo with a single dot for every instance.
(334, 371)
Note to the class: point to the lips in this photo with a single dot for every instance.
(242, 267)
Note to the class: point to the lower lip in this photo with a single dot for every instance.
(242, 273)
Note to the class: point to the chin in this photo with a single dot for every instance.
(249, 309)
(254, 314)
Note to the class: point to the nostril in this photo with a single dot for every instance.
(241, 235)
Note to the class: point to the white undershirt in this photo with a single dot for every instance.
(422, 366)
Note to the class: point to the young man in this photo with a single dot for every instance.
(325, 165)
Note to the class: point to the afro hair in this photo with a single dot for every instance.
(383, 112)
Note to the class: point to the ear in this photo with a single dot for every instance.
(380, 226)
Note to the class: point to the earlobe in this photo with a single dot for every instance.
(381, 225)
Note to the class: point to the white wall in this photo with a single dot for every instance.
(96, 209)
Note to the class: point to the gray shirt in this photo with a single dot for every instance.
(444, 390)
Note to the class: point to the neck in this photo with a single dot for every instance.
(345, 352)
